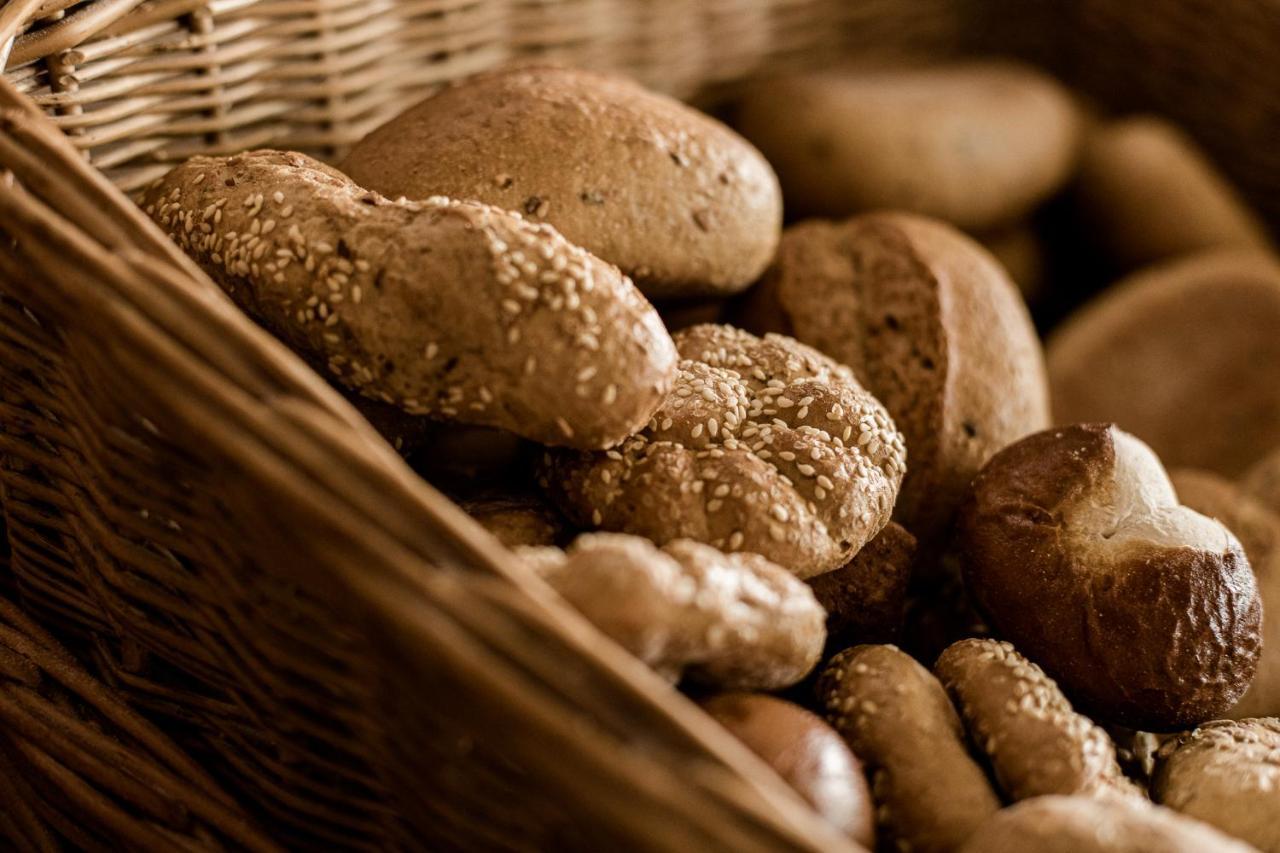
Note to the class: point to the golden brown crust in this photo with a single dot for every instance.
(1258, 528)
(443, 308)
(976, 144)
(1145, 612)
(807, 753)
(930, 793)
(932, 326)
(735, 621)
(865, 597)
(764, 445)
(1184, 355)
(517, 520)
(1147, 193)
(673, 197)
(1060, 824)
(1227, 774)
(1035, 743)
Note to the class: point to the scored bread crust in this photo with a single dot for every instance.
(1036, 744)
(1075, 548)
(735, 621)
(1226, 773)
(673, 197)
(764, 445)
(930, 794)
(1080, 824)
(443, 308)
(931, 325)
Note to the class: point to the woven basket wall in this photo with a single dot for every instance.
(223, 540)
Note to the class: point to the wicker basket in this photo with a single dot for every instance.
(234, 550)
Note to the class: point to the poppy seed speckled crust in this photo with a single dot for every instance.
(676, 199)
(735, 621)
(1079, 824)
(930, 793)
(930, 324)
(764, 445)
(450, 309)
(1226, 773)
(1035, 743)
(1076, 549)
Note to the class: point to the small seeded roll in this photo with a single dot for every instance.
(807, 753)
(865, 598)
(449, 309)
(1076, 549)
(1014, 713)
(977, 144)
(676, 199)
(517, 519)
(734, 621)
(1258, 529)
(1059, 824)
(1227, 774)
(1147, 192)
(932, 326)
(930, 793)
(1184, 355)
(764, 445)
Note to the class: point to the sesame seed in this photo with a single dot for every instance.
(278, 197)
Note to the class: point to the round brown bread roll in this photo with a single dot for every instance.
(1147, 193)
(1258, 529)
(976, 144)
(1076, 549)
(1060, 824)
(443, 308)
(931, 325)
(677, 200)
(930, 793)
(1017, 716)
(735, 621)
(806, 753)
(1184, 355)
(764, 445)
(1227, 774)
(865, 598)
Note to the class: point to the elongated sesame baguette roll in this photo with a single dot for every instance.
(451, 309)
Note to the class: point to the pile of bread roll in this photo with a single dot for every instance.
(963, 590)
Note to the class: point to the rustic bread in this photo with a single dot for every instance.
(1257, 527)
(1227, 774)
(977, 144)
(1146, 192)
(930, 793)
(1062, 824)
(443, 308)
(764, 445)
(1076, 549)
(1184, 355)
(1034, 741)
(931, 325)
(735, 621)
(807, 753)
(865, 598)
(677, 200)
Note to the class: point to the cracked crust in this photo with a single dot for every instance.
(676, 199)
(764, 445)
(1076, 549)
(1226, 773)
(451, 309)
(931, 325)
(1036, 744)
(930, 793)
(735, 621)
